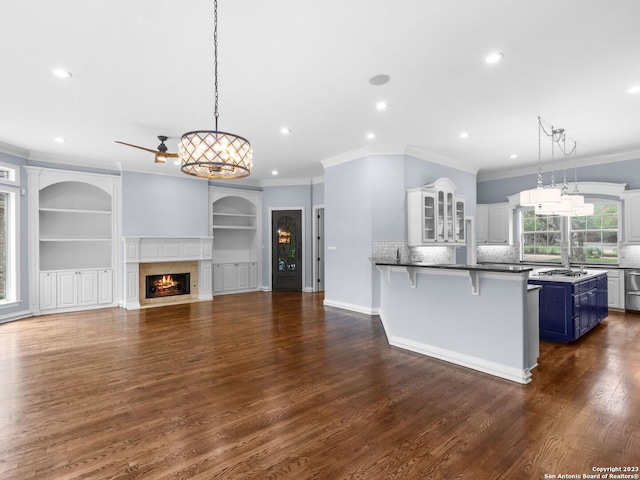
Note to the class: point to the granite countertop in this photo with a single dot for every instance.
(584, 275)
(478, 268)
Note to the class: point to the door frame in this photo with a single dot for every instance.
(317, 253)
(303, 242)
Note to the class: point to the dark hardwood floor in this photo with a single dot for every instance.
(275, 386)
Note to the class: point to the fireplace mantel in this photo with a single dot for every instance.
(144, 250)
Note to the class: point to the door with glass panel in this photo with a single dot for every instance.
(286, 254)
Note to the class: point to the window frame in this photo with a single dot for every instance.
(565, 229)
(10, 186)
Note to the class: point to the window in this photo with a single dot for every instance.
(592, 239)
(9, 186)
(541, 237)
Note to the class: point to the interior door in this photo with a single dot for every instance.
(286, 254)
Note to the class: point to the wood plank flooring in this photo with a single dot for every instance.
(276, 386)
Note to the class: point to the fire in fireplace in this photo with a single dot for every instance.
(167, 285)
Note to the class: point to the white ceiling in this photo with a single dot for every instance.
(144, 68)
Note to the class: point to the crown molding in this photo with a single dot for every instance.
(13, 150)
(391, 149)
(547, 166)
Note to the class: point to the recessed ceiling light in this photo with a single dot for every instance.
(61, 72)
(635, 89)
(274, 172)
(176, 162)
(513, 156)
(379, 79)
(58, 140)
(381, 105)
(464, 135)
(371, 135)
(285, 130)
(494, 57)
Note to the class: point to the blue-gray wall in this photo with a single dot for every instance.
(497, 191)
(158, 205)
(365, 201)
(285, 197)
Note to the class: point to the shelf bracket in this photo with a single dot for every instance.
(411, 273)
(474, 276)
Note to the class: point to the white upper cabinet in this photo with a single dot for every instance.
(435, 214)
(632, 216)
(494, 224)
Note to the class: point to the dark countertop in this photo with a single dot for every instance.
(477, 268)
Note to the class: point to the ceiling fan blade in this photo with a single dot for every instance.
(137, 146)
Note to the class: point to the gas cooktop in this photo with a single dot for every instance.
(563, 272)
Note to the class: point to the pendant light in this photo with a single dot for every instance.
(212, 153)
(540, 195)
(564, 206)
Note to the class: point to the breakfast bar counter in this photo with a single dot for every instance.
(483, 317)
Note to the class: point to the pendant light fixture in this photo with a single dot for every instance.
(568, 205)
(540, 195)
(212, 153)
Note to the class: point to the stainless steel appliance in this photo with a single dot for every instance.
(632, 290)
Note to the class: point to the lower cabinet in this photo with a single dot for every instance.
(569, 310)
(75, 288)
(235, 277)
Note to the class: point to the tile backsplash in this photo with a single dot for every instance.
(430, 254)
(498, 254)
(629, 256)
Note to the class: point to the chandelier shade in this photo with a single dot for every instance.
(214, 154)
(563, 207)
(539, 196)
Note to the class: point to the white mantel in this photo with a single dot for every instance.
(139, 250)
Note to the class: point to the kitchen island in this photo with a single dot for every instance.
(572, 302)
(478, 316)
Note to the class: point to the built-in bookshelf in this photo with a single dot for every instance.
(72, 238)
(235, 226)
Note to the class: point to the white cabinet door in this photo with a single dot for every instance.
(47, 291)
(217, 277)
(613, 292)
(105, 286)
(67, 289)
(632, 218)
(494, 224)
(229, 276)
(87, 287)
(482, 224)
(459, 221)
(253, 275)
(500, 228)
(242, 276)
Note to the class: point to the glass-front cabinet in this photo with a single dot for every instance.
(435, 214)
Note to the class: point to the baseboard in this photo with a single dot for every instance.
(16, 316)
(351, 307)
(485, 366)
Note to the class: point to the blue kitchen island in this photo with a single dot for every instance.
(478, 316)
(572, 302)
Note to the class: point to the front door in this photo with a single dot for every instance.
(286, 255)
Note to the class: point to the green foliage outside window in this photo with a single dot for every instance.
(593, 239)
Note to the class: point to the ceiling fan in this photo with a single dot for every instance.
(161, 152)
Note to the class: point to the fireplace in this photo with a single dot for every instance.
(167, 285)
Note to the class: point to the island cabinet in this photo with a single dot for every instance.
(569, 310)
(435, 214)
